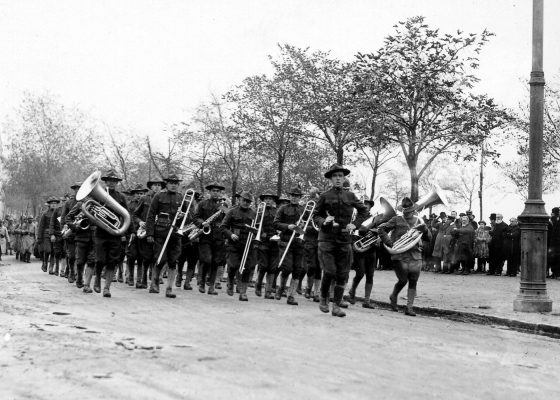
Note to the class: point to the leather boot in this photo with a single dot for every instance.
(57, 265)
(139, 269)
(108, 275)
(298, 289)
(45, 264)
(409, 303)
(336, 310)
(323, 305)
(281, 287)
(352, 294)
(316, 290)
(130, 272)
(71, 272)
(51, 263)
(294, 284)
(258, 289)
(230, 281)
(367, 303)
(29, 257)
(120, 273)
(87, 279)
(188, 279)
(268, 288)
(80, 276)
(243, 291)
(97, 281)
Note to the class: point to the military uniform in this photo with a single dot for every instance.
(267, 250)
(44, 238)
(68, 240)
(133, 255)
(236, 222)
(189, 252)
(211, 249)
(56, 230)
(162, 212)
(4, 240)
(28, 239)
(84, 244)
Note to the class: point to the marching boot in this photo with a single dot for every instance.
(298, 289)
(268, 288)
(343, 303)
(57, 265)
(352, 294)
(316, 290)
(80, 276)
(242, 290)
(230, 281)
(130, 272)
(109, 273)
(120, 273)
(410, 301)
(170, 279)
(51, 263)
(323, 305)
(258, 289)
(259, 284)
(294, 284)
(87, 278)
(212, 289)
(308, 287)
(188, 279)
(97, 282)
(394, 296)
(281, 287)
(336, 310)
(71, 274)
(45, 264)
(154, 284)
(367, 303)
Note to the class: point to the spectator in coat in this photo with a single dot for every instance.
(481, 243)
(497, 249)
(513, 239)
(464, 244)
(554, 243)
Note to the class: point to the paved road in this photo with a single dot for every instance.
(66, 344)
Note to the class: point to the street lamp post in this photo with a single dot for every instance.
(532, 295)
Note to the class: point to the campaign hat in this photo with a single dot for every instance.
(110, 174)
(268, 193)
(216, 185)
(336, 168)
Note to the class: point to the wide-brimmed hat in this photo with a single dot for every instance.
(127, 191)
(336, 168)
(245, 195)
(155, 180)
(138, 188)
(268, 193)
(216, 185)
(53, 199)
(295, 190)
(283, 199)
(110, 174)
(76, 185)
(407, 205)
(172, 178)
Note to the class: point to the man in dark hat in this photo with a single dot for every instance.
(132, 246)
(145, 249)
(210, 246)
(45, 239)
(108, 245)
(162, 212)
(267, 250)
(68, 237)
(364, 263)
(496, 249)
(290, 257)
(407, 264)
(333, 216)
(236, 227)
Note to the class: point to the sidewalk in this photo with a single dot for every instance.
(475, 298)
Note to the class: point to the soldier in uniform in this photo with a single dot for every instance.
(311, 255)
(84, 242)
(132, 249)
(333, 215)
(146, 250)
(408, 264)
(189, 251)
(55, 228)
(4, 239)
(211, 246)
(364, 263)
(286, 221)
(267, 250)
(164, 206)
(68, 237)
(44, 236)
(28, 239)
(107, 245)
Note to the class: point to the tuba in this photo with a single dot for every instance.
(413, 235)
(111, 217)
(383, 214)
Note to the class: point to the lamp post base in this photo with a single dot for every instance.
(532, 304)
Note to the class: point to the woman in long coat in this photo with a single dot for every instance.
(481, 242)
(442, 246)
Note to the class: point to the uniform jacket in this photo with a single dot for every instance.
(235, 222)
(140, 213)
(286, 215)
(340, 204)
(267, 229)
(44, 225)
(204, 210)
(398, 226)
(132, 206)
(55, 226)
(164, 206)
(80, 235)
(68, 205)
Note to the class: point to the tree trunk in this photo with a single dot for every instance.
(233, 192)
(340, 155)
(280, 162)
(374, 179)
(481, 178)
(412, 164)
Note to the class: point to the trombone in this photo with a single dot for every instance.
(188, 193)
(260, 210)
(309, 208)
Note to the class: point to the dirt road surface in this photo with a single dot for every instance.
(59, 343)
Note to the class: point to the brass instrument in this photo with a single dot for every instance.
(111, 217)
(188, 194)
(414, 235)
(309, 208)
(141, 231)
(384, 213)
(257, 220)
(206, 229)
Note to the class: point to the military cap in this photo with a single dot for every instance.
(53, 199)
(336, 168)
(246, 195)
(172, 178)
(283, 199)
(407, 205)
(138, 188)
(295, 190)
(268, 193)
(216, 185)
(155, 181)
(76, 185)
(110, 174)
(462, 215)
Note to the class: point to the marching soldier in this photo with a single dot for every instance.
(84, 243)
(409, 263)
(311, 255)
(4, 239)
(236, 226)
(28, 239)
(44, 236)
(189, 252)
(56, 238)
(333, 215)
(107, 245)
(145, 249)
(267, 250)
(211, 246)
(68, 237)
(285, 221)
(132, 249)
(164, 206)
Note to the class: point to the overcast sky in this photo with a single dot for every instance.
(142, 64)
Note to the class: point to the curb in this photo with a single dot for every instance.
(480, 319)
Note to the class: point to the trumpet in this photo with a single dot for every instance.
(257, 220)
(309, 208)
(111, 217)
